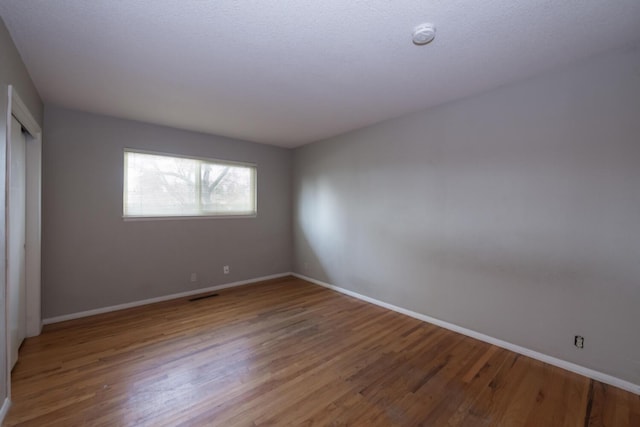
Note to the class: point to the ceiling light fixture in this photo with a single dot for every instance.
(423, 34)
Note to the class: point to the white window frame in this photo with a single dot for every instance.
(182, 217)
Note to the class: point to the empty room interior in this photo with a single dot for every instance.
(381, 213)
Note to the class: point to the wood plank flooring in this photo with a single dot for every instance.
(286, 352)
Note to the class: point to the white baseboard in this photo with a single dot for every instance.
(569, 366)
(5, 409)
(101, 310)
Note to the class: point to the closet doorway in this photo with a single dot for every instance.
(23, 226)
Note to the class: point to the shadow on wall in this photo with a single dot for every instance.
(310, 264)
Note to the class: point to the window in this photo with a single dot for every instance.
(159, 185)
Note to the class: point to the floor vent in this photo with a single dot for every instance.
(203, 297)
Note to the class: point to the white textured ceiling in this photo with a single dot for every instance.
(289, 72)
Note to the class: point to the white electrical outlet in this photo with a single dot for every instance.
(194, 277)
(578, 341)
(225, 269)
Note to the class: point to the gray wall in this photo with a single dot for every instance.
(12, 72)
(92, 258)
(515, 213)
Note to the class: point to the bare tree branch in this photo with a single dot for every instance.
(210, 188)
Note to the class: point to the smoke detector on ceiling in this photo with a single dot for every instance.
(424, 34)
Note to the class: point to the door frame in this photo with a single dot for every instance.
(33, 218)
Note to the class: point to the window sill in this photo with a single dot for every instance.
(170, 218)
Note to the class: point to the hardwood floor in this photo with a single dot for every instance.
(286, 352)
